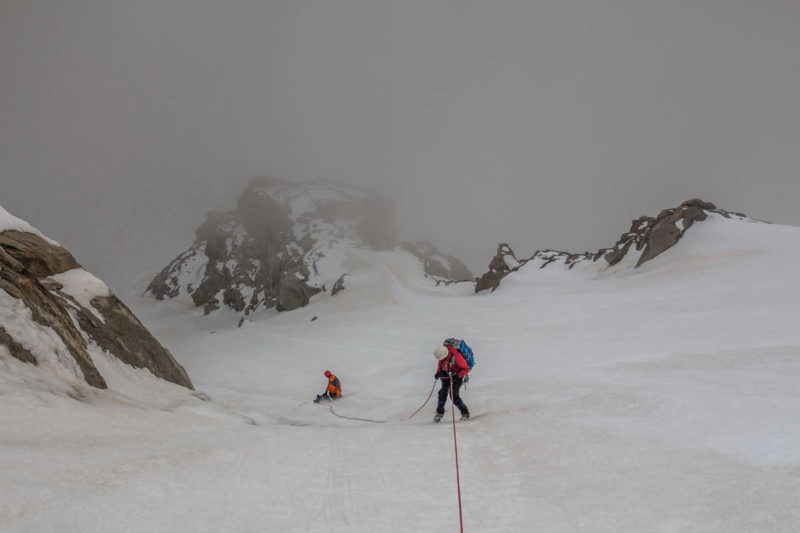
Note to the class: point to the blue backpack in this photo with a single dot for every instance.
(462, 347)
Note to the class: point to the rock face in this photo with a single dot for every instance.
(293, 293)
(502, 264)
(51, 307)
(269, 251)
(648, 235)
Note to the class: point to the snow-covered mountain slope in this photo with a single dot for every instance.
(657, 398)
(61, 329)
(285, 243)
(647, 238)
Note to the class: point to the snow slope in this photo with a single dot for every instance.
(658, 399)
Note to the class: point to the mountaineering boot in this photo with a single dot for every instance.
(437, 417)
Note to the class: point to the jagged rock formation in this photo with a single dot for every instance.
(51, 308)
(502, 264)
(268, 252)
(658, 234)
(648, 235)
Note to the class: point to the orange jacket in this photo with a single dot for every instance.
(334, 386)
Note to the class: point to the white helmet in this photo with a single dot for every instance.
(440, 352)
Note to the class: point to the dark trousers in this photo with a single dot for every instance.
(444, 392)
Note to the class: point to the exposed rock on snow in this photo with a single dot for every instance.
(293, 292)
(647, 235)
(437, 264)
(503, 263)
(270, 251)
(338, 286)
(49, 296)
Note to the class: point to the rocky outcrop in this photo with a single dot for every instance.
(437, 265)
(242, 259)
(505, 262)
(122, 334)
(653, 236)
(670, 225)
(294, 293)
(648, 235)
(267, 252)
(338, 286)
(502, 264)
(16, 349)
(34, 273)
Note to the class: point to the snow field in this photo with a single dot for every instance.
(657, 399)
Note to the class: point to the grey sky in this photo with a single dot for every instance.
(543, 123)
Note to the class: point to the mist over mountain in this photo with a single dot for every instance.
(508, 121)
(644, 385)
(286, 242)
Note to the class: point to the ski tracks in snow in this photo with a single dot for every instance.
(348, 478)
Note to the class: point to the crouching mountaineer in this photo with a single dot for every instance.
(332, 391)
(452, 366)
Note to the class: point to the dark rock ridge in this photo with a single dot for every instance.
(648, 235)
(27, 262)
(268, 252)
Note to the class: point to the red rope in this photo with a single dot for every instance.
(455, 439)
(353, 418)
(455, 446)
(382, 421)
(426, 401)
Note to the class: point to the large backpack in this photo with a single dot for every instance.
(462, 347)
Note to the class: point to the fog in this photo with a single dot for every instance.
(541, 123)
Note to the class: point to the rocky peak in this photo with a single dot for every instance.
(649, 235)
(55, 313)
(656, 235)
(267, 252)
(503, 263)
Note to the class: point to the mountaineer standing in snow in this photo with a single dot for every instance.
(333, 390)
(452, 365)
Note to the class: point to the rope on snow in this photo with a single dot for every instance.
(455, 446)
(382, 421)
(353, 418)
(455, 438)
(424, 404)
